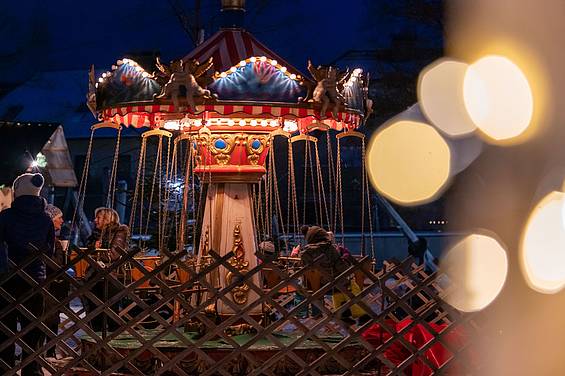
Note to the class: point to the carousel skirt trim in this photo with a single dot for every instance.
(148, 116)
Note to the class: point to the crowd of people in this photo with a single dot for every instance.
(30, 240)
(29, 234)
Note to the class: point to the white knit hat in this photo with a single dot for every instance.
(53, 211)
(28, 185)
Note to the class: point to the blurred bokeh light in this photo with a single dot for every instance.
(409, 162)
(477, 267)
(440, 94)
(543, 245)
(498, 97)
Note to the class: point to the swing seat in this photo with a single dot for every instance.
(79, 267)
(149, 264)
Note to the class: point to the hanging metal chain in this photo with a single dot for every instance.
(292, 188)
(114, 173)
(138, 182)
(339, 192)
(368, 192)
(321, 191)
(331, 180)
(151, 196)
(315, 188)
(83, 182)
(273, 171)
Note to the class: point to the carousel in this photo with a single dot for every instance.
(240, 147)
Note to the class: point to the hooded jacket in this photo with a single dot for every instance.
(25, 229)
(319, 243)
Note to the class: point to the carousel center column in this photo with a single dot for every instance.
(230, 161)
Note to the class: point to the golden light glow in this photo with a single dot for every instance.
(476, 267)
(542, 253)
(440, 94)
(409, 162)
(498, 97)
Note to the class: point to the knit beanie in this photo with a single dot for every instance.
(28, 185)
(53, 211)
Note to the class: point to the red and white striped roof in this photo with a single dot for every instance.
(230, 46)
(148, 116)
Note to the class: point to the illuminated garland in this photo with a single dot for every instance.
(106, 75)
(262, 59)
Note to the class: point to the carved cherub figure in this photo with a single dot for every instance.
(187, 74)
(328, 79)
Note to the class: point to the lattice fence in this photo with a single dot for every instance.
(145, 316)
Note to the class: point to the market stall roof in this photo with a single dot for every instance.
(23, 143)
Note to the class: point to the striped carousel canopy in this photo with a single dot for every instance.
(245, 78)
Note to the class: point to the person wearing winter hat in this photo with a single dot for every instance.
(26, 231)
(59, 288)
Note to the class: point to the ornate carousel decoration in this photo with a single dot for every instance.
(227, 101)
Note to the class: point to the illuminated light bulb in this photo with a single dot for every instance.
(253, 59)
(114, 67)
(290, 126)
(263, 58)
(264, 123)
(254, 123)
(125, 61)
(274, 62)
(197, 123)
(172, 125)
(103, 75)
(293, 76)
(274, 123)
(498, 97)
(223, 74)
(233, 69)
(119, 62)
(242, 63)
(422, 162)
(283, 69)
(353, 78)
(145, 74)
(477, 266)
(242, 123)
(231, 123)
(440, 94)
(357, 71)
(100, 80)
(34, 164)
(542, 250)
(138, 68)
(96, 85)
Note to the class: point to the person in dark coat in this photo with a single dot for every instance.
(112, 237)
(25, 231)
(59, 288)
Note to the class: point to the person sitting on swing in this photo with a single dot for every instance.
(109, 240)
(323, 255)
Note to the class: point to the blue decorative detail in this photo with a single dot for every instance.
(258, 81)
(194, 145)
(256, 144)
(220, 144)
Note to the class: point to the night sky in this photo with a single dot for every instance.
(38, 35)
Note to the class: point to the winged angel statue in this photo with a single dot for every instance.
(190, 74)
(329, 80)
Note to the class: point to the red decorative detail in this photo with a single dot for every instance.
(229, 47)
(144, 116)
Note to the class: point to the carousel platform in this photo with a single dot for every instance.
(260, 351)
